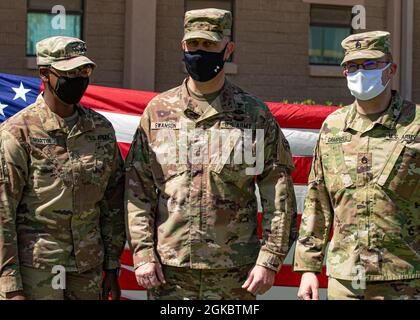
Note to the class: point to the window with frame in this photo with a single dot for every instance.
(329, 26)
(40, 18)
(218, 4)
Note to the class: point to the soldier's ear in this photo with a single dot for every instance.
(184, 45)
(229, 49)
(394, 69)
(44, 74)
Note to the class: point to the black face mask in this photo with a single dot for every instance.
(202, 65)
(70, 90)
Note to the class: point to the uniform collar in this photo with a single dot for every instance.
(51, 121)
(388, 119)
(224, 103)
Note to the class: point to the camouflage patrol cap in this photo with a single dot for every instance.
(211, 24)
(62, 53)
(366, 45)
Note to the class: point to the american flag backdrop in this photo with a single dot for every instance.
(300, 124)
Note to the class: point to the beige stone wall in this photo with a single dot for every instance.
(169, 31)
(274, 53)
(12, 41)
(104, 34)
(272, 46)
(272, 49)
(416, 53)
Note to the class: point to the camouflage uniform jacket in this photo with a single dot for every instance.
(365, 182)
(204, 215)
(61, 193)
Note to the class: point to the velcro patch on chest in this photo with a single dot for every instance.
(99, 137)
(43, 141)
(165, 125)
(236, 124)
(410, 138)
(338, 139)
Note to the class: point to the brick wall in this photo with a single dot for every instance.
(12, 43)
(272, 49)
(273, 43)
(104, 30)
(272, 46)
(376, 14)
(104, 34)
(169, 32)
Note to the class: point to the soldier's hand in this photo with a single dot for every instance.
(260, 280)
(16, 295)
(150, 275)
(111, 286)
(309, 287)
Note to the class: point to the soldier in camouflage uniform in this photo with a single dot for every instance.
(192, 222)
(364, 182)
(61, 188)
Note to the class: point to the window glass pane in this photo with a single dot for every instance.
(70, 5)
(325, 44)
(39, 27)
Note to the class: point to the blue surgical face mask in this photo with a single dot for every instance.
(204, 66)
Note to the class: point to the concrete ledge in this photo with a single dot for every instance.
(326, 71)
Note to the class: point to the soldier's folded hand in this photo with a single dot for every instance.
(309, 287)
(110, 286)
(260, 280)
(150, 275)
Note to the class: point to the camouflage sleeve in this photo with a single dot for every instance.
(112, 214)
(277, 199)
(13, 178)
(316, 221)
(140, 199)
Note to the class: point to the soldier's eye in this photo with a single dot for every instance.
(369, 65)
(351, 68)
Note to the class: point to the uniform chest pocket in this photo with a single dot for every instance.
(165, 173)
(228, 160)
(336, 173)
(49, 167)
(47, 177)
(401, 173)
(4, 176)
(169, 156)
(96, 172)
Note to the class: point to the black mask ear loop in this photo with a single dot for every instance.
(54, 90)
(47, 75)
(224, 51)
(49, 82)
